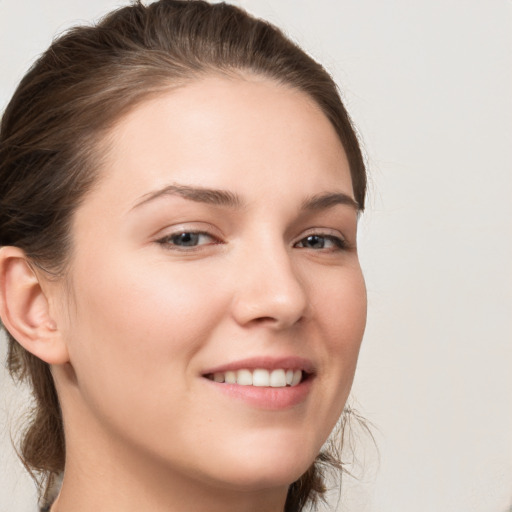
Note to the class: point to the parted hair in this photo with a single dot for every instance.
(51, 145)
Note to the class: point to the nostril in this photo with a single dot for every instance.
(264, 319)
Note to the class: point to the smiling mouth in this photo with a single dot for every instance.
(260, 377)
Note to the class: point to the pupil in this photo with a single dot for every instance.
(315, 241)
(186, 239)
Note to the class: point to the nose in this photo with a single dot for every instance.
(269, 289)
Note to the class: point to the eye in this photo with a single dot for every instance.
(321, 241)
(185, 239)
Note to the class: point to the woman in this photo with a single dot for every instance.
(180, 187)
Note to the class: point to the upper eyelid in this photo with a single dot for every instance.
(342, 241)
(168, 244)
(327, 232)
(172, 234)
(191, 231)
(188, 227)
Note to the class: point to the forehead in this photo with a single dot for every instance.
(244, 132)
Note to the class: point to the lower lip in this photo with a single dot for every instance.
(266, 397)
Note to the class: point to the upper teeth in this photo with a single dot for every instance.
(260, 377)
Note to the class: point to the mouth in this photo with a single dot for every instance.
(261, 377)
(264, 383)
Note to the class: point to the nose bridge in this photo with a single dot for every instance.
(269, 287)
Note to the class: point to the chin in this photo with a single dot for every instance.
(265, 471)
(251, 481)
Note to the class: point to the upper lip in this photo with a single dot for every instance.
(265, 362)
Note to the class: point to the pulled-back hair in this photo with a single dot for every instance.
(51, 139)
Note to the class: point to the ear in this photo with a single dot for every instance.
(24, 308)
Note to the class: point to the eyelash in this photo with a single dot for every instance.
(169, 241)
(339, 243)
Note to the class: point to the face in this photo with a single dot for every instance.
(218, 249)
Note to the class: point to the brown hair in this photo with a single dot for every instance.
(52, 130)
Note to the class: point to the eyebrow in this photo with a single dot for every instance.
(229, 199)
(197, 194)
(328, 200)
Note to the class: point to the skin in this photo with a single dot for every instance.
(141, 318)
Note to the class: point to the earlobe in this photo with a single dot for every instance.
(24, 308)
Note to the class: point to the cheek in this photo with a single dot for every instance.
(154, 301)
(133, 346)
(138, 324)
(342, 308)
(342, 319)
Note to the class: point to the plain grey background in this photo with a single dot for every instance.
(429, 85)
